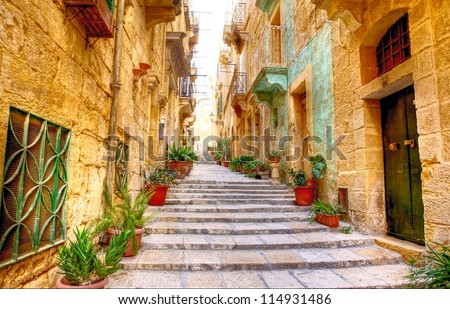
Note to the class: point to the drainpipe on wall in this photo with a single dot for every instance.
(115, 85)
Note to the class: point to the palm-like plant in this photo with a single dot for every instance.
(83, 262)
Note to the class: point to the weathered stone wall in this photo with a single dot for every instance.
(357, 109)
(47, 69)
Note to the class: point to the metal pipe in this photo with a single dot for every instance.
(115, 85)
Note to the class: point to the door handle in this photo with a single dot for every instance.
(409, 142)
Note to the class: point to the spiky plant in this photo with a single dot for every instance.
(82, 262)
(435, 271)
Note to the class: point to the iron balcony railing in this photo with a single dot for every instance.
(238, 85)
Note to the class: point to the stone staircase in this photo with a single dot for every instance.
(222, 230)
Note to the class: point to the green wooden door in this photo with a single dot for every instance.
(404, 205)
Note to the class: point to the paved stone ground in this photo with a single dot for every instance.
(220, 229)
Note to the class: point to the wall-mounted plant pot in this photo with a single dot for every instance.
(304, 196)
(328, 220)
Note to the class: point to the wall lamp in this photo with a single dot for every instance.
(218, 122)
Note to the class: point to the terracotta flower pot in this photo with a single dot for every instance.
(328, 220)
(226, 163)
(159, 194)
(311, 182)
(274, 159)
(139, 231)
(182, 167)
(63, 283)
(304, 196)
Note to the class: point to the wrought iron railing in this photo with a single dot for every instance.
(238, 85)
(219, 105)
(35, 177)
(121, 165)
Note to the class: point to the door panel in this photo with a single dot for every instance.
(404, 205)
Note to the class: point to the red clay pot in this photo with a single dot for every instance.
(63, 283)
(304, 196)
(274, 159)
(139, 231)
(328, 220)
(159, 194)
(226, 163)
(182, 167)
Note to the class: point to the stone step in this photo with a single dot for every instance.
(229, 195)
(243, 181)
(360, 277)
(255, 217)
(223, 185)
(231, 208)
(254, 242)
(305, 258)
(255, 189)
(223, 228)
(228, 201)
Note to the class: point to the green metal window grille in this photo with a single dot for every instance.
(110, 4)
(32, 210)
(122, 156)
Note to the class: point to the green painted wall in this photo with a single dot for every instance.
(318, 54)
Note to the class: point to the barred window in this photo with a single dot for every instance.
(122, 157)
(394, 48)
(32, 209)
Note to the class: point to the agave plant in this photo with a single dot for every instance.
(83, 262)
(181, 153)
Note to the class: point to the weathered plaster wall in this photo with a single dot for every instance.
(313, 48)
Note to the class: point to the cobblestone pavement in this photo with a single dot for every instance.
(220, 229)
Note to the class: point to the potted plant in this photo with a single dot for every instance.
(235, 164)
(157, 180)
(304, 192)
(218, 157)
(261, 166)
(243, 159)
(125, 214)
(325, 213)
(225, 148)
(319, 165)
(249, 167)
(85, 264)
(181, 159)
(275, 156)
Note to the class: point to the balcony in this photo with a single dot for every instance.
(194, 26)
(239, 92)
(267, 6)
(268, 69)
(95, 16)
(226, 36)
(238, 35)
(174, 44)
(161, 11)
(350, 11)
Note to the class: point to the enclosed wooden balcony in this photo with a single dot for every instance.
(95, 16)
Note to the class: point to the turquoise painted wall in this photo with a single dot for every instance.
(318, 54)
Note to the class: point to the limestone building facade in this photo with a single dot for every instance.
(87, 92)
(365, 84)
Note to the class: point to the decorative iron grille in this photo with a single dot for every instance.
(122, 158)
(219, 105)
(394, 48)
(239, 14)
(32, 211)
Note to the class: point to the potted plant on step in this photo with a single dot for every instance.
(325, 213)
(125, 214)
(181, 159)
(157, 180)
(304, 192)
(86, 265)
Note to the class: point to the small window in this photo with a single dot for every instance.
(35, 176)
(394, 48)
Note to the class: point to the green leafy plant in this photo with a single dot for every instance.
(298, 178)
(181, 153)
(261, 165)
(159, 174)
(276, 153)
(434, 273)
(126, 214)
(83, 262)
(249, 166)
(235, 164)
(348, 229)
(325, 208)
(319, 165)
(224, 146)
(218, 156)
